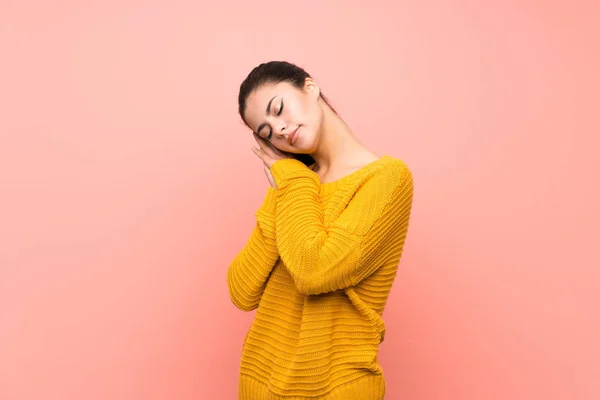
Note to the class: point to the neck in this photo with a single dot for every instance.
(336, 142)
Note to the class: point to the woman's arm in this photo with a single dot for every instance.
(248, 273)
(324, 259)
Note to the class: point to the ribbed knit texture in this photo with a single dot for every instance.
(318, 267)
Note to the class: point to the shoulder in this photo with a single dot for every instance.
(391, 170)
(384, 179)
(392, 182)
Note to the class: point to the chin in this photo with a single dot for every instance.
(306, 144)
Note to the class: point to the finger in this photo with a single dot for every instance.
(261, 141)
(260, 153)
(266, 158)
(264, 144)
(275, 150)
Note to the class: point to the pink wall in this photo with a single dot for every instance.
(127, 185)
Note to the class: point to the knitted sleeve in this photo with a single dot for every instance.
(323, 258)
(250, 269)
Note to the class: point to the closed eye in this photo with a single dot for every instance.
(264, 125)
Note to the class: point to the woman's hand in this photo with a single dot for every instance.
(269, 155)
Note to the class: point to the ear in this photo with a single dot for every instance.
(311, 87)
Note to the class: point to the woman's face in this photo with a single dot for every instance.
(287, 117)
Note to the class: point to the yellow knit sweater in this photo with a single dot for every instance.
(318, 267)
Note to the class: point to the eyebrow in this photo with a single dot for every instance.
(267, 113)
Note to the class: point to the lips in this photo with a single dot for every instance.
(292, 136)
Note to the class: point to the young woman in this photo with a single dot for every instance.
(321, 260)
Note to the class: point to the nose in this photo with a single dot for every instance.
(281, 129)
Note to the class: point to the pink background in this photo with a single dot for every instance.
(128, 185)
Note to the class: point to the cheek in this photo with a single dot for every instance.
(305, 113)
(315, 117)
